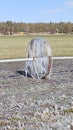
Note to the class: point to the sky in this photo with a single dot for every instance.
(34, 11)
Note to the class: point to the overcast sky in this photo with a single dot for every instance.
(32, 11)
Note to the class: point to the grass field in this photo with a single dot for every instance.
(16, 46)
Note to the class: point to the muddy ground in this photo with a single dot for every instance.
(28, 104)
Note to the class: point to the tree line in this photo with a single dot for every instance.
(10, 27)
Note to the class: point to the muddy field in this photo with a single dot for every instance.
(28, 104)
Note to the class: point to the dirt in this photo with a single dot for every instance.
(29, 104)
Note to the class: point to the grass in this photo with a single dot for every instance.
(16, 46)
(69, 110)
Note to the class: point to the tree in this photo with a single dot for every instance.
(10, 27)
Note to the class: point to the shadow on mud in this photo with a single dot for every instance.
(21, 72)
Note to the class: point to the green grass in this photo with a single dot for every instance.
(16, 46)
